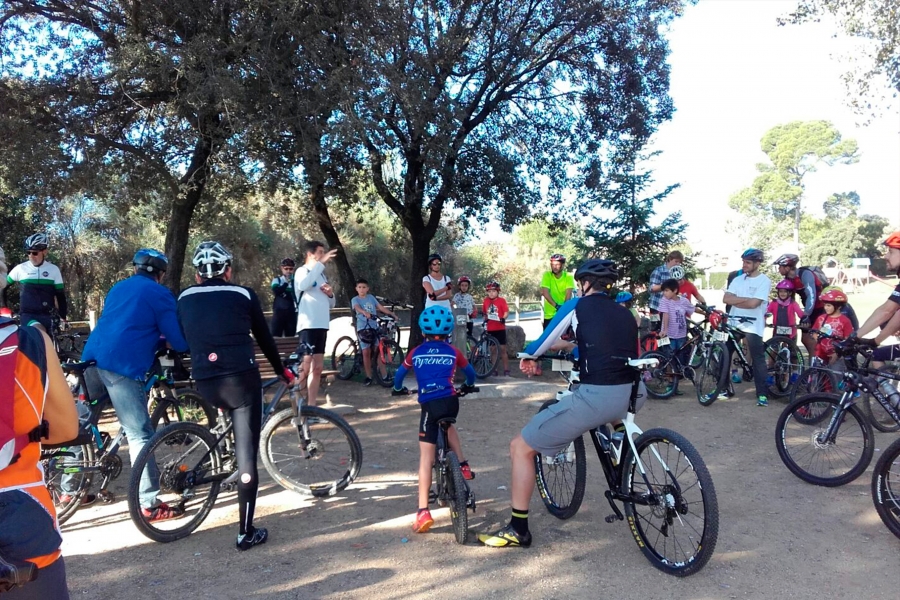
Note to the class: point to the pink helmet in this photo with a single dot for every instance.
(785, 284)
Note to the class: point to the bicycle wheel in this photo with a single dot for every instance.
(712, 375)
(784, 365)
(800, 436)
(66, 478)
(318, 454)
(389, 357)
(561, 478)
(661, 380)
(814, 380)
(875, 413)
(188, 407)
(344, 357)
(459, 498)
(483, 360)
(648, 342)
(674, 519)
(185, 459)
(886, 487)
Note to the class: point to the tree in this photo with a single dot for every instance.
(474, 105)
(794, 150)
(875, 21)
(627, 235)
(841, 205)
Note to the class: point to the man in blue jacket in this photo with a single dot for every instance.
(136, 313)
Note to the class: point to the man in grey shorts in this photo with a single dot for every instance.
(603, 330)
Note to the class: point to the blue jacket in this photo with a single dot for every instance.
(137, 311)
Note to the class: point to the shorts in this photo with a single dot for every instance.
(588, 407)
(312, 341)
(432, 412)
(886, 353)
(499, 335)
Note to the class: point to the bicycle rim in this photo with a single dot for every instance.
(679, 529)
(886, 487)
(661, 380)
(877, 415)
(390, 357)
(711, 374)
(188, 407)
(458, 499)
(317, 454)
(67, 488)
(184, 456)
(803, 445)
(344, 357)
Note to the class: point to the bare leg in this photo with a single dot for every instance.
(315, 376)
(522, 456)
(504, 358)
(426, 460)
(455, 443)
(367, 360)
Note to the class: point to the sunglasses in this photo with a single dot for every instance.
(435, 262)
(33, 252)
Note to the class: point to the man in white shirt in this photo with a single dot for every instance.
(315, 299)
(748, 295)
(438, 287)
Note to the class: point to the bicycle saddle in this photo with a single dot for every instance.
(447, 421)
(79, 367)
(643, 362)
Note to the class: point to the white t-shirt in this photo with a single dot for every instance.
(437, 285)
(314, 310)
(751, 287)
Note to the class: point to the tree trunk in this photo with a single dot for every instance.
(797, 228)
(421, 243)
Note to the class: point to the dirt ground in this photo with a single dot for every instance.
(779, 537)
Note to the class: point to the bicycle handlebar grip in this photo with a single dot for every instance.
(522, 355)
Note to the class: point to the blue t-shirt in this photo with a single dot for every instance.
(368, 304)
(434, 364)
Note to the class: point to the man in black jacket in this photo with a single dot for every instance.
(284, 307)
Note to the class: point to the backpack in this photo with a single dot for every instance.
(822, 280)
(11, 445)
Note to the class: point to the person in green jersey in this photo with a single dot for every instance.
(557, 286)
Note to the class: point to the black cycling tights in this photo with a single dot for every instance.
(242, 395)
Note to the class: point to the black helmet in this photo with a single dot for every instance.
(37, 241)
(150, 260)
(597, 267)
(211, 259)
(288, 262)
(787, 260)
(753, 254)
(434, 256)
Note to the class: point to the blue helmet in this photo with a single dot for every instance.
(753, 254)
(623, 297)
(436, 320)
(150, 260)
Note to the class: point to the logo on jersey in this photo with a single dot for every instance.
(45, 273)
(213, 357)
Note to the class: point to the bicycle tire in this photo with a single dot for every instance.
(174, 479)
(482, 359)
(661, 381)
(54, 472)
(676, 497)
(712, 375)
(793, 435)
(569, 465)
(391, 355)
(786, 365)
(814, 380)
(459, 498)
(283, 459)
(886, 487)
(187, 407)
(344, 357)
(875, 413)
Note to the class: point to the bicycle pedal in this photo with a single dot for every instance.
(106, 496)
(614, 518)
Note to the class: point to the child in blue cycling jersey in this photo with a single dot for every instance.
(434, 363)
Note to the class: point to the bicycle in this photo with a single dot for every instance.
(807, 432)
(305, 449)
(886, 487)
(818, 376)
(647, 474)
(347, 359)
(94, 451)
(68, 345)
(483, 353)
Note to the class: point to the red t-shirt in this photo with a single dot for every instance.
(493, 311)
(687, 289)
(840, 326)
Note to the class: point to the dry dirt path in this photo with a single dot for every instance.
(779, 537)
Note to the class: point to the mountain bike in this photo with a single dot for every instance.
(667, 492)
(826, 439)
(347, 359)
(886, 487)
(784, 362)
(393, 331)
(305, 449)
(483, 353)
(70, 467)
(68, 345)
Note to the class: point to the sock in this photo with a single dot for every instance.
(246, 508)
(421, 510)
(464, 463)
(519, 521)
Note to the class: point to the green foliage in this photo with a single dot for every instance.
(841, 205)
(844, 240)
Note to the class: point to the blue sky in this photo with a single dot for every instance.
(735, 74)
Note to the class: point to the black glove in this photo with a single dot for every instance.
(805, 322)
(404, 391)
(468, 389)
(864, 341)
(503, 321)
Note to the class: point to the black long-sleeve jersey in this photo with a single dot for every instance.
(217, 318)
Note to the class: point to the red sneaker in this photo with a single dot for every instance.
(423, 521)
(163, 512)
(467, 472)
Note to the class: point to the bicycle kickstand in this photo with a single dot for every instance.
(618, 516)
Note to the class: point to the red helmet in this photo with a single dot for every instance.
(833, 296)
(715, 319)
(463, 279)
(785, 284)
(493, 285)
(893, 240)
(558, 257)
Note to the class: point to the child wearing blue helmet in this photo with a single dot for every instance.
(626, 299)
(434, 363)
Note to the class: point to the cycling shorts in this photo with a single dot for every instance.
(588, 407)
(500, 336)
(886, 353)
(432, 412)
(312, 341)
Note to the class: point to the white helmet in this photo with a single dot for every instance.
(37, 241)
(676, 272)
(211, 259)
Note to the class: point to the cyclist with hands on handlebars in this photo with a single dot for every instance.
(886, 316)
(434, 363)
